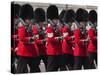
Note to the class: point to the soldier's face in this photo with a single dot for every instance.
(83, 24)
(55, 21)
(27, 21)
(95, 23)
(20, 24)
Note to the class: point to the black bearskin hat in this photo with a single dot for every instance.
(93, 16)
(26, 12)
(86, 15)
(52, 12)
(81, 15)
(16, 9)
(69, 15)
(61, 16)
(39, 15)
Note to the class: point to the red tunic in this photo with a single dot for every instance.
(40, 46)
(24, 47)
(54, 46)
(80, 48)
(92, 47)
(67, 45)
(67, 41)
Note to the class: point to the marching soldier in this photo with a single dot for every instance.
(39, 32)
(26, 52)
(61, 19)
(67, 34)
(80, 50)
(54, 45)
(67, 45)
(92, 34)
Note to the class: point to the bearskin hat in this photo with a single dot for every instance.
(52, 12)
(61, 16)
(81, 15)
(86, 15)
(93, 16)
(39, 15)
(26, 12)
(69, 15)
(16, 9)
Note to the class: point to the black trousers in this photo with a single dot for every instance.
(13, 59)
(30, 61)
(12, 63)
(81, 61)
(44, 58)
(54, 62)
(68, 60)
(92, 57)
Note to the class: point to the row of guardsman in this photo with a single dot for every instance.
(64, 42)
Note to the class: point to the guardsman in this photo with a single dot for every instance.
(39, 32)
(80, 50)
(67, 33)
(67, 47)
(61, 19)
(54, 45)
(27, 51)
(92, 34)
(69, 19)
